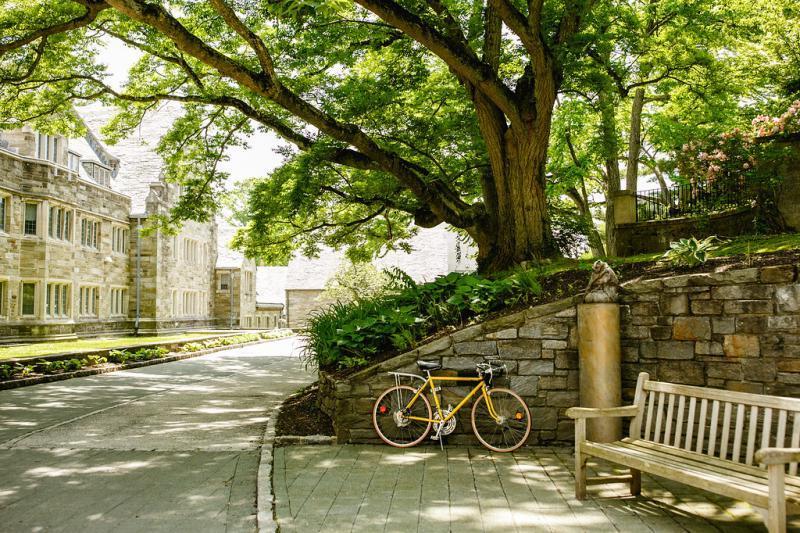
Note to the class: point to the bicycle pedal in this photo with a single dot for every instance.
(435, 437)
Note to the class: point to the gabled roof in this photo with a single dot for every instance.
(139, 164)
(227, 257)
(271, 284)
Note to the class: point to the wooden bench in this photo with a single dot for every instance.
(716, 440)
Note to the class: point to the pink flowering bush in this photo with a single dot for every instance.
(788, 122)
(729, 158)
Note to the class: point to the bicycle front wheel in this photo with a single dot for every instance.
(390, 417)
(512, 426)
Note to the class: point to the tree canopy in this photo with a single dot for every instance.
(403, 113)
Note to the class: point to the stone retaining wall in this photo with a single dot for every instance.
(738, 330)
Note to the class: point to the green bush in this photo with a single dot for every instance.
(191, 347)
(346, 335)
(118, 356)
(691, 252)
(6, 371)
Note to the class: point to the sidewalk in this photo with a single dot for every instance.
(379, 488)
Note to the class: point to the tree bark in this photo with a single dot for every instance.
(610, 145)
(634, 142)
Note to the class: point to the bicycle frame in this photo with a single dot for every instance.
(431, 381)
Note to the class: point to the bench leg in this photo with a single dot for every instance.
(580, 460)
(776, 512)
(636, 482)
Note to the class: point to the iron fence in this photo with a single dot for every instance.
(690, 200)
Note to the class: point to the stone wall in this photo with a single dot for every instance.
(737, 329)
(655, 235)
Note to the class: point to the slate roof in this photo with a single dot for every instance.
(271, 284)
(226, 256)
(140, 165)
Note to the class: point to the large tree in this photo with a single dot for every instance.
(341, 82)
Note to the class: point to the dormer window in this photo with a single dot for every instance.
(73, 161)
(98, 173)
(47, 147)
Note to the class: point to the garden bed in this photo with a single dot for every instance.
(43, 370)
(573, 277)
(300, 415)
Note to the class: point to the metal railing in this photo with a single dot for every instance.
(691, 200)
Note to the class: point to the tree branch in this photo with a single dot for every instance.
(93, 8)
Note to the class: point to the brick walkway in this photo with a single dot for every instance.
(378, 488)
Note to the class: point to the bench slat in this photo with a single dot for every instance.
(737, 434)
(761, 400)
(766, 430)
(712, 434)
(795, 442)
(690, 423)
(670, 410)
(717, 464)
(751, 435)
(726, 424)
(687, 472)
(657, 432)
(701, 428)
(651, 400)
(781, 436)
(679, 423)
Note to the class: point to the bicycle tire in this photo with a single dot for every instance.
(385, 417)
(515, 425)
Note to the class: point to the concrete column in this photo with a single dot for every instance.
(600, 366)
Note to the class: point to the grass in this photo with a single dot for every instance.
(749, 244)
(41, 349)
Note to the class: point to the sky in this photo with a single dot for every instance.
(258, 159)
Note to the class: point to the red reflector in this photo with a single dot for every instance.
(382, 409)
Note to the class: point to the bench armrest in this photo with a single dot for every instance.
(602, 412)
(777, 456)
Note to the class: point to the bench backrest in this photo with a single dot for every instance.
(720, 423)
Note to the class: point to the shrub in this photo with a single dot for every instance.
(6, 371)
(346, 335)
(191, 347)
(691, 252)
(118, 356)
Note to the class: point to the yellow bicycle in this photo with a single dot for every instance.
(402, 414)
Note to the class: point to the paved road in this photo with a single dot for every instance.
(171, 447)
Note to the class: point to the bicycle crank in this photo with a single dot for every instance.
(446, 428)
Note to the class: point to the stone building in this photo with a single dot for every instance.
(73, 260)
(270, 296)
(235, 286)
(435, 252)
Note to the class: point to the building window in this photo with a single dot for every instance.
(98, 173)
(60, 223)
(57, 300)
(47, 147)
(119, 301)
(3, 297)
(28, 291)
(3, 212)
(90, 232)
(31, 218)
(224, 281)
(87, 303)
(190, 249)
(175, 302)
(73, 161)
(119, 240)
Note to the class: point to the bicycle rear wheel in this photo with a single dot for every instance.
(512, 427)
(391, 420)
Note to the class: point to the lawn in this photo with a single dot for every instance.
(49, 348)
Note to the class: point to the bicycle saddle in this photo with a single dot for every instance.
(429, 365)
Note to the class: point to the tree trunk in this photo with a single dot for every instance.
(610, 146)
(635, 142)
(518, 229)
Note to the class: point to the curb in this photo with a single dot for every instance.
(305, 440)
(50, 378)
(265, 496)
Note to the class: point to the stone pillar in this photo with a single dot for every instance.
(624, 207)
(600, 366)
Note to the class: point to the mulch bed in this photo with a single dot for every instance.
(571, 282)
(301, 415)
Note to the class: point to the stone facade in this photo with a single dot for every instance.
(80, 264)
(48, 257)
(738, 330)
(235, 296)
